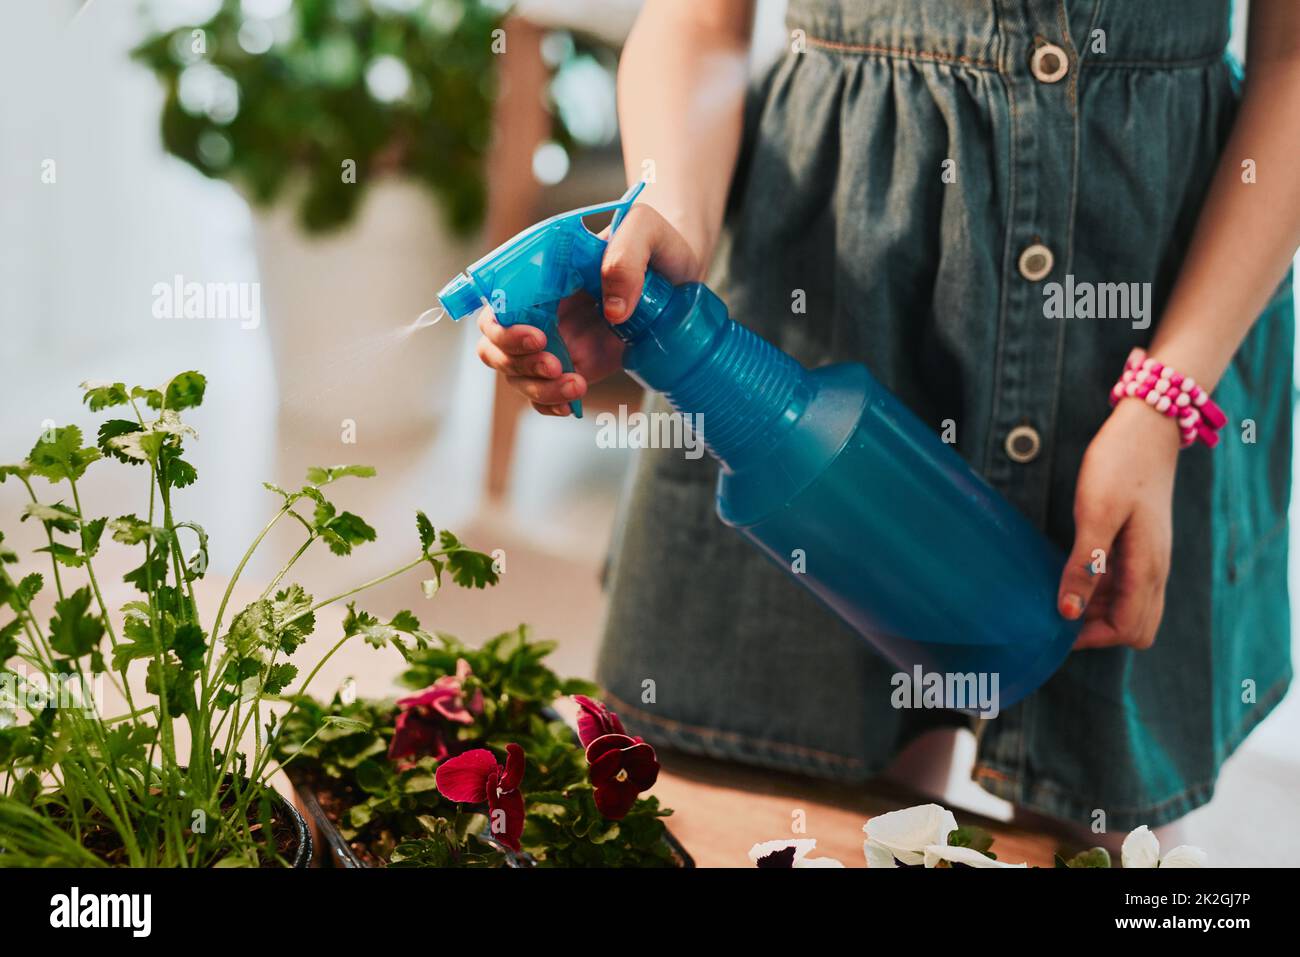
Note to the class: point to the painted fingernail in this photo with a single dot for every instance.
(614, 307)
(536, 342)
(542, 368)
(1071, 606)
(570, 389)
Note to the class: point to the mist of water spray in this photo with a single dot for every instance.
(330, 366)
(428, 318)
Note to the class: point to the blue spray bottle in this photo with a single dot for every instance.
(824, 470)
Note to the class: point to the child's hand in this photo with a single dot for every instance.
(1122, 507)
(516, 352)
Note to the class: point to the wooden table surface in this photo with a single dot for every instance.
(722, 809)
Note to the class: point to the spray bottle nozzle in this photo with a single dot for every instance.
(459, 297)
(524, 279)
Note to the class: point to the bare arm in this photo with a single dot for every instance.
(681, 92)
(1246, 236)
(681, 88)
(1247, 232)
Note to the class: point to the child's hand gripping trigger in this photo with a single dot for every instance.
(525, 278)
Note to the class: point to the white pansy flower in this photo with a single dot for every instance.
(961, 855)
(1185, 855)
(878, 855)
(904, 835)
(802, 848)
(1142, 849)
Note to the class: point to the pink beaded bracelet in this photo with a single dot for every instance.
(1173, 394)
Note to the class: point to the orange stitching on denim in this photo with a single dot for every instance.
(900, 52)
(1187, 63)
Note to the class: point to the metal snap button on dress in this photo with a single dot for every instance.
(1049, 63)
(1035, 262)
(1023, 444)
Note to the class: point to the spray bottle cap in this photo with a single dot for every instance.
(459, 297)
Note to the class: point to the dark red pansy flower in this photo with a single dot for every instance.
(475, 777)
(595, 719)
(446, 697)
(419, 730)
(416, 736)
(783, 858)
(620, 769)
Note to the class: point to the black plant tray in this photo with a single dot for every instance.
(341, 853)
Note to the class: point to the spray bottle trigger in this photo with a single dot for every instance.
(549, 323)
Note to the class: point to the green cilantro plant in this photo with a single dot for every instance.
(79, 787)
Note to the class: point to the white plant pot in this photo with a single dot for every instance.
(339, 309)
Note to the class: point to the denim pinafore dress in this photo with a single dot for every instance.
(916, 173)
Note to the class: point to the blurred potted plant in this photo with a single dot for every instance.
(358, 130)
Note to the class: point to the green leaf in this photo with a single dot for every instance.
(139, 446)
(1093, 857)
(141, 645)
(64, 554)
(292, 618)
(125, 743)
(344, 531)
(378, 634)
(250, 630)
(152, 569)
(57, 516)
(371, 777)
(272, 487)
(62, 456)
(176, 472)
(317, 475)
(73, 630)
(405, 621)
(102, 395)
(281, 624)
(420, 783)
(152, 397)
(425, 528)
(173, 681)
(365, 624)
(9, 640)
(91, 533)
(130, 530)
(112, 429)
(346, 724)
(471, 569)
(278, 677)
(20, 596)
(359, 815)
(972, 836)
(185, 391)
(189, 645)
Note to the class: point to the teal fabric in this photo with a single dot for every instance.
(711, 649)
